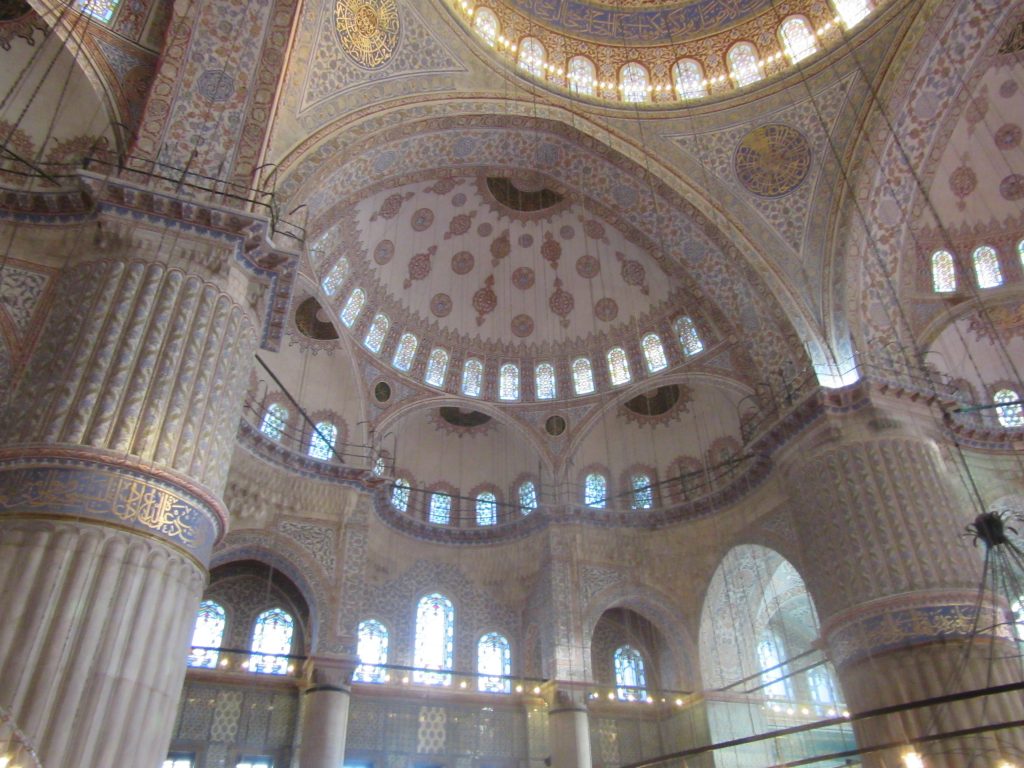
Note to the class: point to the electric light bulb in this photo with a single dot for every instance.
(462, 684)
(912, 760)
(611, 696)
(536, 689)
(679, 702)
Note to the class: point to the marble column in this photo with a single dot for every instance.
(568, 726)
(113, 454)
(325, 712)
(895, 583)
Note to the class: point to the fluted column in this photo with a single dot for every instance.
(113, 454)
(896, 585)
(325, 712)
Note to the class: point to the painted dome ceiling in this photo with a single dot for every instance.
(497, 264)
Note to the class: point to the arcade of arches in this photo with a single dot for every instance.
(507, 384)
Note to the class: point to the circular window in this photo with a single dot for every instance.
(382, 391)
(554, 426)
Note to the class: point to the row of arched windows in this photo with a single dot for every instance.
(270, 646)
(434, 654)
(439, 509)
(509, 374)
(321, 442)
(797, 39)
(985, 260)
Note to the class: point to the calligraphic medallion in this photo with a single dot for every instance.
(772, 160)
(368, 30)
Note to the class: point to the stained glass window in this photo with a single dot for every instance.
(595, 488)
(321, 443)
(582, 75)
(943, 272)
(797, 38)
(986, 266)
(486, 23)
(334, 279)
(852, 11)
(472, 378)
(435, 635)
(532, 56)
(353, 307)
(400, 494)
(405, 352)
(487, 509)
(376, 332)
(102, 10)
(774, 682)
(819, 681)
(274, 420)
(372, 649)
(208, 633)
(1020, 251)
(494, 663)
(582, 376)
(743, 64)
(689, 339)
(654, 352)
(271, 642)
(508, 388)
(1011, 414)
(437, 367)
(255, 762)
(544, 375)
(643, 493)
(689, 79)
(633, 81)
(179, 761)
(440, 508)
(379, 466)
(618, 366)
(527, 497)
(630, 680)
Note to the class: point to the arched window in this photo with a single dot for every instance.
(405, 352)
(274, 420)
(544, 379)
(986, 267)
(595, 489)
(630, 680)
(207, 635)
(1020, 252)
(400, 494)
(943, 272)
(582, 376)
(1012, 413)
(774, 682)
(643, 493)
(440, 508)
(372, 650)
(379, 466)
(472, 378)
(743, 64)
(437, 367)
(486, 509)
(508, 386)
(271, 642)
(321, 442)
(435, 636)
(797, 38)
(654, 352)
(689, 339)
(532, 56)
(633, 82)
(101, 10)
(688, 76)
(486, 23)
(819, 682)
(582, 75)
(376, 332)
(494, 663)
(852, 11)
(352, 307)
(618, 366)
(527, 497)
(334, 279)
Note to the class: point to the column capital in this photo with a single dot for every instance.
(561, 696)
(330, 672)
